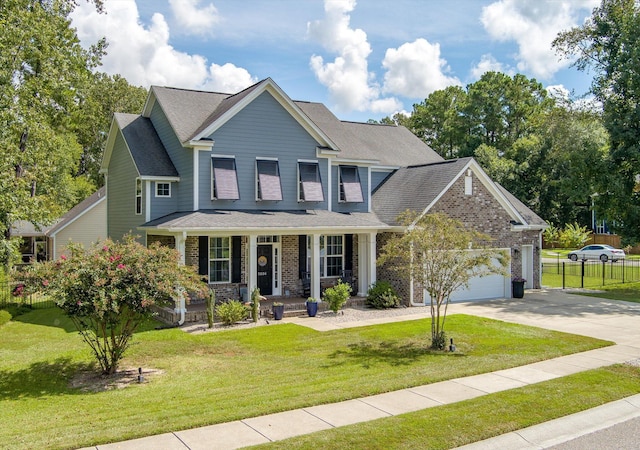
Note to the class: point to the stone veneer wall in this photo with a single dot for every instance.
(482, 212)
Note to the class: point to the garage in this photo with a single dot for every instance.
(482, 288)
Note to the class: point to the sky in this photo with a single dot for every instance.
(363, 59)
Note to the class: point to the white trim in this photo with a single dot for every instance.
(200, 145)
(266, 158)
(329, 186)
(136, 196)
(229, 259)
(384, 168)
(159, 178)
(368, 189)
(355, 162)
(196, 179)
(309, 161)
(216, 155)
(147, 206)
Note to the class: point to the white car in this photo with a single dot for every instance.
(597, 251)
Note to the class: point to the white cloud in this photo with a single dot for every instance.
(415, 69)
(194, 19)
(533, 25)
(489, 64)
(144, 56)
(351, 86)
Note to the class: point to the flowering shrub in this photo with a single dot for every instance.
(109, 289)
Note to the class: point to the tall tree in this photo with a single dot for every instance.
(103, 96)
(42, 69)
(609, 44)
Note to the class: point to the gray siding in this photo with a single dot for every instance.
(161, 206)
(181, 157)
(349, 207)
(378, 177)
(262, 129)
(121, 193)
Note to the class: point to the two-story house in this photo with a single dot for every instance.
(256, 189)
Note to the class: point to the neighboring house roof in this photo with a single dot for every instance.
(220, 220)
(27, 229)
(418, 188)
(147, 151)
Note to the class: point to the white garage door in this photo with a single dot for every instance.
(492, 286)
(482, 288)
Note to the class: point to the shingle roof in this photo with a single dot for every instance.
(390, 145)
(25, 228)
(190, 112)
(219, 220)
(187, 110)
(414, 188)
(147, 150)
(531, 217)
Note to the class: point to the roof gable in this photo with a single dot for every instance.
(144, 146)
(418, 188)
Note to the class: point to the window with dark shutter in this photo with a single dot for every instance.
(350, 187)
(310, 182)
(224, 181)
(268, 180)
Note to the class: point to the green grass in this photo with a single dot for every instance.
(224, 376)
(472, 420)
(629, 292)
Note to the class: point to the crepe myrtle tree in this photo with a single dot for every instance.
(442, 255)
(109, 289)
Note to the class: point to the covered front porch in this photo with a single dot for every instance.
(286, 254)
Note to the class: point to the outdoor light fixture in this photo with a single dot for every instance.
(452, 346)
(140, 377)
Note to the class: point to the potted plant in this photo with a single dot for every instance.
(278, 310)
(312, 306)
(517, 287)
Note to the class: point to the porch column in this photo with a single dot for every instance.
(366, 262)
(315, 266)
(181, 240)
(252, 279)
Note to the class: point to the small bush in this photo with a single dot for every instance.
(231, 312)
(4, 317)
(381, 295)
(337, 296)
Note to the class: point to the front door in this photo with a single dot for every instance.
(265, 269)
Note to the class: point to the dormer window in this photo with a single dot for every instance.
(350, 187)
(309, 182)
(268, 185)
(224, 179)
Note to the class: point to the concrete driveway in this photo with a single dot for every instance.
(560, 310)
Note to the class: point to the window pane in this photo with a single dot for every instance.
(350, 189)
(219, 271)
(225, 179)
(269, 180)
(311, 186)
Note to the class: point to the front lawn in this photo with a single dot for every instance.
(223, 376)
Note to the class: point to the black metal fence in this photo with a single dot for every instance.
(11, 295)
(591, 274)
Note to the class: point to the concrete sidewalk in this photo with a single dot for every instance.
(617, 321)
